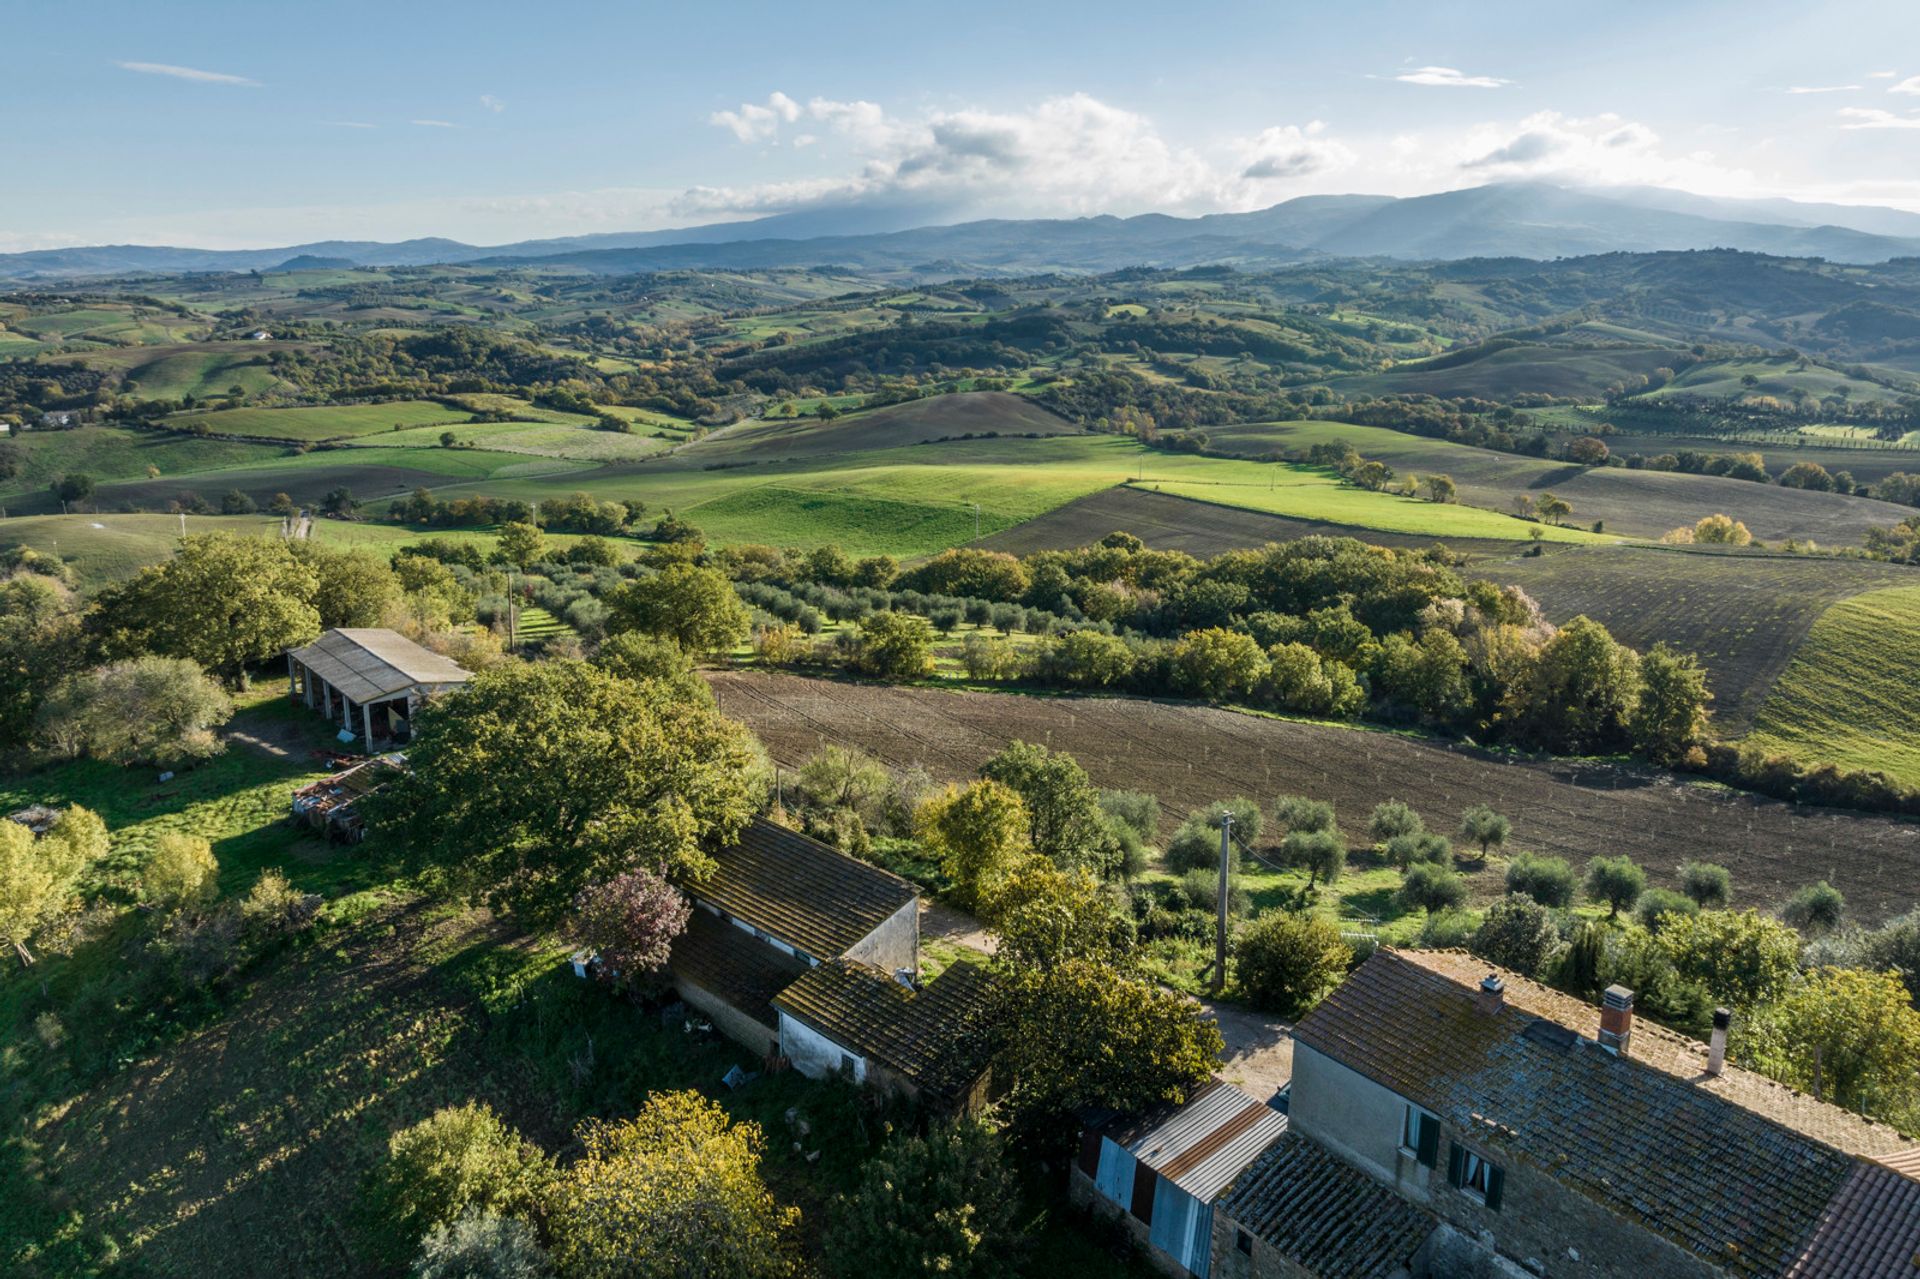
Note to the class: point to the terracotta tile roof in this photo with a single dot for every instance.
(1871, 1230)
(803, 892)
(934, 1037)
(1202, 1145)
(1324, 1214)
(1737, 1174)
(734, 965)
(1685, 1058)
(369, 663)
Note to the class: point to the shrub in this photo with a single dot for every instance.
(1815, 910)
(1417, 849)
(1446, 930)
(181, 872)
(481, 1245)
(630, 921)
(1518, 933)
(896, 646)
(1706, 885)
(1285, 962)
(1298, 813)
(1393, 819)
(946, 1204)
(1201, 889)
(1481, 825)
(1432, 888)
(1197, 843)
(1137, 809)
(1615, 882)
(1547, 880)
(1657, 905)
(462, 1157)
(1321, 853)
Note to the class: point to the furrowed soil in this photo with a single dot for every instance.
(1190, 755)
(1744, 615)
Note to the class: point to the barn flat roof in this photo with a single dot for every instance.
(366, 664)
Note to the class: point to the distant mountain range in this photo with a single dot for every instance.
(1524, 220)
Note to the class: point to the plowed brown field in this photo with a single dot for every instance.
(1188, 755)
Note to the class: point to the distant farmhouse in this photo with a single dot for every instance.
(1448, 1120)
(810, 957)
(370, 682)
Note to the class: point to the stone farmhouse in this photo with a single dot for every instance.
(1446, 1119)
(811, 958)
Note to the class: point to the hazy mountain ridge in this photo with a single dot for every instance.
(1525, 220)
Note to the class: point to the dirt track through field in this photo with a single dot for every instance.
(1190, 755)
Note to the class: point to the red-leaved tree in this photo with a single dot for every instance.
(630, 921)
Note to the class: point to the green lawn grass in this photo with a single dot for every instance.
(327, 422)
(1847, 695)
(112, 453)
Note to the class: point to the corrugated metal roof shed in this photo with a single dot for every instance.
(371, 663)
(1201, 1146)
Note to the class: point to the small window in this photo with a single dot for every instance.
(1420, 1135)
(1243, 1241)
(846, 1063)
(1474, 1175)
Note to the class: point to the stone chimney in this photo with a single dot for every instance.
(1616, 1019)
(1717, 1049)
(1492, 994)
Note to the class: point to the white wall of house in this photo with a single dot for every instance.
(895, 944)
(813, 1054)
(1354, 1116)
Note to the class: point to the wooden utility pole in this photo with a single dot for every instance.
(1220, 914)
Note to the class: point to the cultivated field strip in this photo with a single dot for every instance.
(1743, 615)
(1189, 755)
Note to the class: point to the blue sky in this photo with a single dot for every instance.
(229, 124)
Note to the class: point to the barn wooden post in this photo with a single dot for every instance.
(293, 684)
(366, 717)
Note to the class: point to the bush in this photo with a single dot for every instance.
(1137, 809)
(1615, 882)
(1285, 962)
(1422, 848)
(1201, 890)
(181, 872)
(1657, 905)
(1708, 886)
(1815, 910)
(1446, 930)
(1432, 888)
(1547, 880)
(481, 1245)
(947, 1204)
(1392, 819)
(1519, 934)
(1196, 845)
(631, 922)
(462, 1157)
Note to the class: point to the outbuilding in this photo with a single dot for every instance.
(369, 681)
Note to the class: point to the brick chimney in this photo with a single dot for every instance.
(1717, 1049)
(1616, 1019)
(1492, 994)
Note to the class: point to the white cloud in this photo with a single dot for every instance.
(434, 124)
(754, 122)
(349, 124)
(492, 103)
(1449, 78)
(1602, 150)
(1288, 151)
(188, 73)
(1876, 118)
(1909, 85)
(1823, 88)
(1881, 75)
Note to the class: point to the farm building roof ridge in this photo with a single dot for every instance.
(366, 664)
(1734, 1165)
(802, 891)
(933, 1036)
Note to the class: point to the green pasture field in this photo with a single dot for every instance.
(580, 443)
(328, 422)
(105, 548)
(1847, 695)
(1562, 371)
(203, 374)
(1776, 376)
(113, 453)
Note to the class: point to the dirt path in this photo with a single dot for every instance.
(1191, 755)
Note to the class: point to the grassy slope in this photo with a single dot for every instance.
(1847, 695)
(329, 422)
(1634, 503)
(111, 453)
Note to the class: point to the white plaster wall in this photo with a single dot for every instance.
(812, 1053)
